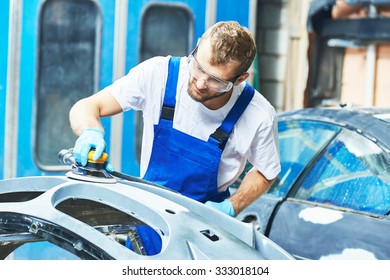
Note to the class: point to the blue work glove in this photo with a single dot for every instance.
(89, 138)
(224, 206)
(109, 167)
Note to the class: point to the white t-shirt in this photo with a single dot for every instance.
(254, 137)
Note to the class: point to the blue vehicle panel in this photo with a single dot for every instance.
(326, 233)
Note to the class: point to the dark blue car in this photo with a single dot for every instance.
(332, 197)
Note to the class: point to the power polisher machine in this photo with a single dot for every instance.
(94, 170)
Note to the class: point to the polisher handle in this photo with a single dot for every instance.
(66, 157)
(103, 158)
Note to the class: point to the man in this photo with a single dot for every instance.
(201, 120)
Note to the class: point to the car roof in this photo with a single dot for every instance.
(374, 123)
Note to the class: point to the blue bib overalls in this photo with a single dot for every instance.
(182, 162)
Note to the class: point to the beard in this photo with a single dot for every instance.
(192, 92)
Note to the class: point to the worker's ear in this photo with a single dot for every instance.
(242, 78)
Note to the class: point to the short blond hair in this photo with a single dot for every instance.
(230, 42)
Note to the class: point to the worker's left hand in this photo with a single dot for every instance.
(224, 206)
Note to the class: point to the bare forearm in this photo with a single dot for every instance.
(87, 112)
(252, 187)
(83, 115)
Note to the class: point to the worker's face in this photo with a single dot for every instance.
(208, 82)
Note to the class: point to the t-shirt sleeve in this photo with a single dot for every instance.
(143, 84)
(264, 153)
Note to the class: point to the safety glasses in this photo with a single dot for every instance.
(212, 82)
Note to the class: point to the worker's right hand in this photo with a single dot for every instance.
(90, 138)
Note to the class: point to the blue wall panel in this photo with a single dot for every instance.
(28, 60)
(234, 10)
(28, 75)
(4, 17)
(106, 67)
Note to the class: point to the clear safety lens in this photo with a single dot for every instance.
(211, 82)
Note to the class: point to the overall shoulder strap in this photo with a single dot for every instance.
(168, 108)
(222, 133)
